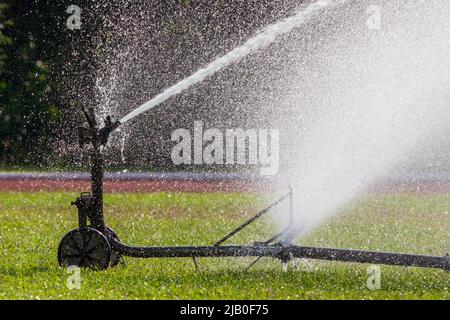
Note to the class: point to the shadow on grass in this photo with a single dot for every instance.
(25, 271)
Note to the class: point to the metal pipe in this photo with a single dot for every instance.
(372, 257)
(195, 251)
(97, 173)
(283, 253)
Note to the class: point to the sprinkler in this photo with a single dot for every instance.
(96, 246)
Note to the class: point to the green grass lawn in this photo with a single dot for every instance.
(32, 224)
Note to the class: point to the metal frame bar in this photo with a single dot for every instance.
(285, 253)
(92, 208)
(254, 218)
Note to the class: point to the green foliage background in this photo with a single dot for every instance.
(32, 53)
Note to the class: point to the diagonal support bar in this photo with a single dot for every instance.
(253, 219)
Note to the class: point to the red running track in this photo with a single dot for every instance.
(129, 186)
(176, 182)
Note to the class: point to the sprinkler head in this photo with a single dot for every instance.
(84, 135)
(110, 126)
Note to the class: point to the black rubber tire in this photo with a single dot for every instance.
(115, 256)
(85, 248)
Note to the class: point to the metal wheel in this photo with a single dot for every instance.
(115, 256)
(85, 248)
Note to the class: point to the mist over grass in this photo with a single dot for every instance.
(366, 103)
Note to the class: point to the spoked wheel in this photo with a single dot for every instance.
(115, 256)
(85, 248)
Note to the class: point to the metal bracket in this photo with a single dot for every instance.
(83, 204)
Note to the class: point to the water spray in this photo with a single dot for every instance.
(259, 41)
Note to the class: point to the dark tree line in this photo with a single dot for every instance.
(28, 111)
(34, 52)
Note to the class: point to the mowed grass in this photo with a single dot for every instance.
(32, 224)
